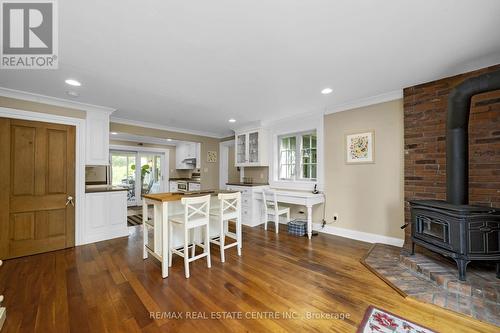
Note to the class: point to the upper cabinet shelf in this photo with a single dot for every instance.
(251, 148)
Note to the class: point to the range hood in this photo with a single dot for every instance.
(190, 161)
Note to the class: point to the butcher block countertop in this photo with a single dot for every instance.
(176, 196)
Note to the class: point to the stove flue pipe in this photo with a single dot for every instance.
(457, 134)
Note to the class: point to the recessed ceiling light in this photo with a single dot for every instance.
(72, 93)
(326, 91)
(114, 133)
(232, 120)
(73, 82)
(169, 140)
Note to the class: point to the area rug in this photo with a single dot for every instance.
(134, 220)
(381, 321)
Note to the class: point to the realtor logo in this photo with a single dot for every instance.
(28, 34)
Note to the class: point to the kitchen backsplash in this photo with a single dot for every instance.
(258, 174)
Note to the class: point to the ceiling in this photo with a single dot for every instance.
(195, 64)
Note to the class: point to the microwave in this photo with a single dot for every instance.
(182, 186)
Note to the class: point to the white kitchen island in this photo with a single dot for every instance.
(165, 205)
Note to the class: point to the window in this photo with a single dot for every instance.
(298, 156)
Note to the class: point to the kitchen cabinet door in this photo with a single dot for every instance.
(253, 147)
(241, 149)
(97, 138)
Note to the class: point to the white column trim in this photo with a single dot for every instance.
(224, 162)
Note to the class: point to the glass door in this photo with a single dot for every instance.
(241, 153)
(150, 173)
(123, 173)
(253, 147)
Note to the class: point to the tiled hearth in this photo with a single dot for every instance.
(431, 278)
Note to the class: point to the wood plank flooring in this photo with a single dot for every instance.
(107, 287)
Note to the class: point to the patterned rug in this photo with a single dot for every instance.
(380, 321)
(134, 220)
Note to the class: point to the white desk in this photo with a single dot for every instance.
(302, 198)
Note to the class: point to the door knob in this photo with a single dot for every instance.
(70, 201)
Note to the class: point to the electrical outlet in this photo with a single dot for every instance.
(335, 217)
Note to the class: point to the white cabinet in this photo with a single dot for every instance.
(198, 155)
(194, 186)
(252, 212)
(251, 148)
(185, 151)
(172, 186)
(97, 138)
(106, 216)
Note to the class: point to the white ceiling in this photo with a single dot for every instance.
(195, 64)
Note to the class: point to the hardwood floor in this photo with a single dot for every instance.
(107, 287)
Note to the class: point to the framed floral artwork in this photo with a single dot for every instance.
(212, 157)
(360, 147)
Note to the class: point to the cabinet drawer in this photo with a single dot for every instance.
(246, 212)
(246, 201)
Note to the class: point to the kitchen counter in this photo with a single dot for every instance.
(247, 184)
(103, 188)
(176, 196)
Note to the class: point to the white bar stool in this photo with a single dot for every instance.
(271, 208)
(196, 214)
(229, 209)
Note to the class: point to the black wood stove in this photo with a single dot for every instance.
(453, 227)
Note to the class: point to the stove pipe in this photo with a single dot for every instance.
(457, 135)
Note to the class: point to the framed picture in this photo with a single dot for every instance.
(211, 156)
(360, 147)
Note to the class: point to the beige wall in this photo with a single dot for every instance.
(233, 174)
(209, 171)
(367, 197)
(12, 103)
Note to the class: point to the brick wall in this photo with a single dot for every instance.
(425, 108)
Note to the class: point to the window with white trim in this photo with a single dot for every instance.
(298, 156)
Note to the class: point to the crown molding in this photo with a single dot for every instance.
(304, 115)
(386, 97)
(32, 97)
(143, 139)
(138, 123)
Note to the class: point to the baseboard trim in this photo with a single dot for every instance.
(359, 235)
(94, 238)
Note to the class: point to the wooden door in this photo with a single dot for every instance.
(37, 175)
